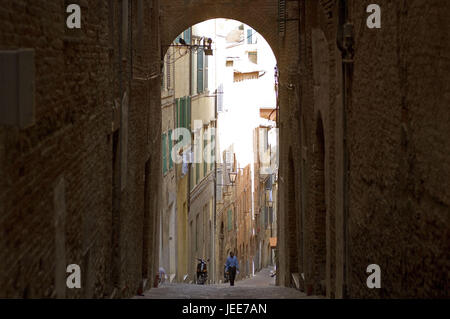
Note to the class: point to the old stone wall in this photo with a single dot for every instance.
(59, 203)
(393, 119)
(398, 130)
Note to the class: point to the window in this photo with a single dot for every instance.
(230, 219)
(220, 181)
(188, 113)
(178, 113)
(200, 60)
(183, 112)
(187, 36)
(253, 57)
(193, 75)
(251, 36)
(164, 152)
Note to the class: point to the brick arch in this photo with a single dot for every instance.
(178, 15)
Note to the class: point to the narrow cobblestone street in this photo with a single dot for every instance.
(261, 286)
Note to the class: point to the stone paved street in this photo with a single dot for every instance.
(262, 286)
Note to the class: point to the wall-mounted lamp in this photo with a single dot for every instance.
(207, 45)
(232, 176)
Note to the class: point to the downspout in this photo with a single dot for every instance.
(345, 41)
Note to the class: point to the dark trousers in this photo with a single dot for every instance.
(232, 271)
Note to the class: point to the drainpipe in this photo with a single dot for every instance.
(345, 41)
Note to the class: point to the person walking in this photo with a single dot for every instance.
(232, 266)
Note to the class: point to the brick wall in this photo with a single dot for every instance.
(72, 143)
(396, 121)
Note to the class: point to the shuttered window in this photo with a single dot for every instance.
(177, 112)
(187, 35)
(200, 59)
(230, 219)
(193, 75)
(183, 112)
(188, 117)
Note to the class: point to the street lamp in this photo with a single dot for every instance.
(232, 176)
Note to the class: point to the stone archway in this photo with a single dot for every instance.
(178, 15)
(263, 16)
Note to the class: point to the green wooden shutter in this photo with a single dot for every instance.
(183, 112)
(177, 113)
(187, 35)
(200, 59)
(170, 150)
(230, 219)
(193, 77)
(189, 120)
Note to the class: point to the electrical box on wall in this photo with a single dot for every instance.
(17, 88)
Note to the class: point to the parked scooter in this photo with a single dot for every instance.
(202, 271)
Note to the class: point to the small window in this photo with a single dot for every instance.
(253, 57)
(229, 63)
(187, 35)
(249, 36)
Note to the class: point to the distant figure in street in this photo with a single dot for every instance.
(162, 275)
(232, 265)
